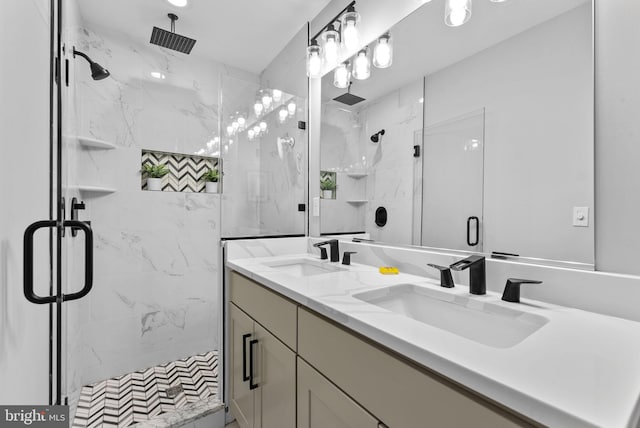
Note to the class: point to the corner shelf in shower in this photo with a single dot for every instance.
(93, 143)
(357, 201)
(357, 175)
(93, 190)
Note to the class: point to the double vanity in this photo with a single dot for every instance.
(318, 343)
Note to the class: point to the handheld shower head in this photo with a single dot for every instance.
(98, 72)
(376, 137)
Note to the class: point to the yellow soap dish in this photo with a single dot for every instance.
(389, 270)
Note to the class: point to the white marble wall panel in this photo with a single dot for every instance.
(157, 254)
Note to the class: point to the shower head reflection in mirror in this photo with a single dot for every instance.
(502, 118)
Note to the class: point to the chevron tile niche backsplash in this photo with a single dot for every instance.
(185, 171)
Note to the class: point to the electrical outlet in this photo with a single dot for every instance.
(581, 216)
(316, 206)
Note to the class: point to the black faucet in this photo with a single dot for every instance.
(346, 257)
(477, 275)
(512, 289)
(335, 252)
(446, 280)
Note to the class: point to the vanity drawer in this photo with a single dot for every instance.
(394, 390)
(272, 311)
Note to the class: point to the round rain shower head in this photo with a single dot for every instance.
(98, 72)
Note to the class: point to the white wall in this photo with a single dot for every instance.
(537, 91)
(24, 187)
(617, 134)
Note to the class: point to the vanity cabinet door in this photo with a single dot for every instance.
(275, 376)
(322, 405)
(242, 397)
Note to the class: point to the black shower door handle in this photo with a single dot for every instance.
(29, 233)
(469, 220)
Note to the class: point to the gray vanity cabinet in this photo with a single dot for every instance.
(263, 367)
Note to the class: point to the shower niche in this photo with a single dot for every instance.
(181, 172)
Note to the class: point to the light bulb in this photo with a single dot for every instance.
(314, 61)
(241, 121)
(383, 52)
(235, 125)
(331, 46)
(283, 114)
(263, 126)
(258, 108)
(251, 134)
(342, 76)
(291, 108)
(256, 130)
(178, 3)
(350, 29)
(457, 12)
(361, 66)
(229, 130)
(277, 95)
(266, 100)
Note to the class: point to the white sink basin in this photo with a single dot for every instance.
(303, 267)
(483, 322)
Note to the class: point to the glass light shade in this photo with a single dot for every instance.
(361, 66)
(342, 76)
(263, 126)
(283, 114)
(457, 12)
(331, 46)
(241, 121)
(235, 125)
(277, 95)
(291, 108)
(266, 100)
(258, 108)
(350, 33)
(383, 52)
(314, 61)
(256, 130)
(229, 130)
(251, 134)
(178, 3)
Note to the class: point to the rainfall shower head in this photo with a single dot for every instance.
(170, 39)
(98, 72)
(348, 98)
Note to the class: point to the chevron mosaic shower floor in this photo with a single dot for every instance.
(137, 397)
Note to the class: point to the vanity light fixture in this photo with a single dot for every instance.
(314, 60)
(350, 36)
(383, 52)
(342, 75)
(333, 40)
(362, 65)
(331, 46)
(457, 12)
(291, 108)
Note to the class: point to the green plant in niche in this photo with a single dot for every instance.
(155, 171)
(327, 183)
(212, 175)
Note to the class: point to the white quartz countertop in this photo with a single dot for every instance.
(580, 369)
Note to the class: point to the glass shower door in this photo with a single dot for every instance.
(453, 183)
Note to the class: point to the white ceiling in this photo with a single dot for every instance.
(246, 34)
(423, 44)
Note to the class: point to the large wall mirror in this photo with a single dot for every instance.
(476, 138)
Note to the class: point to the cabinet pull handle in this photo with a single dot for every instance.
(245, 376)
(251, 374)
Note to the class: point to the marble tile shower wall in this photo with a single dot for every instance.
(157, 257)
